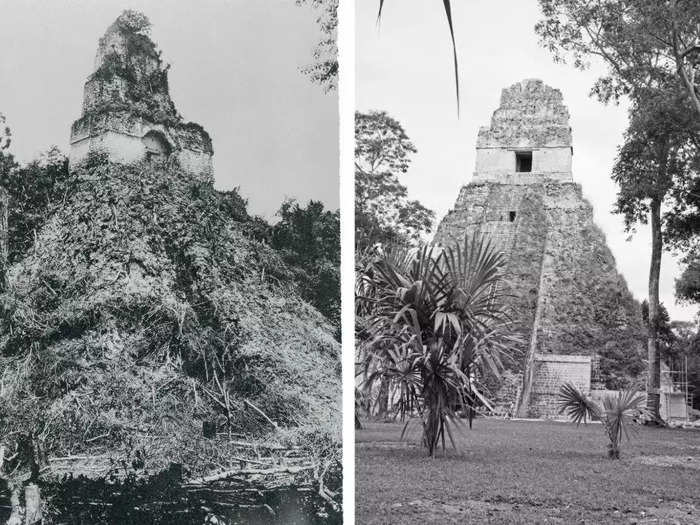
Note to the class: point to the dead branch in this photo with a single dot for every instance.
(251, 405)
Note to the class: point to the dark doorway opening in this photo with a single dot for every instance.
(511, 216)
(523, 161)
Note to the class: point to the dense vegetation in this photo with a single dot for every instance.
(309, 241)
(140, 281)
(146, 319)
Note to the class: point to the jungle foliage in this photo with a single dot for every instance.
(309, 241)
(384, 215)
(143, 312)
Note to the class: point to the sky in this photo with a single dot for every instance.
(235, 69)
(404, 66)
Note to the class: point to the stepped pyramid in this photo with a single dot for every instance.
(568, 300)
(127, 112)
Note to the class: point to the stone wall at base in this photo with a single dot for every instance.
(550, 373)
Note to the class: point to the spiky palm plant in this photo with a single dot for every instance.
(615, 413)
(435, 324)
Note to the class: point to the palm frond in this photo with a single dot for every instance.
(619, 411)
(576, 405)
(432, 321)
(448, 13)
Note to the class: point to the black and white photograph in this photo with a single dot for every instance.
(374, 262)
(170, 248)
(527, 268)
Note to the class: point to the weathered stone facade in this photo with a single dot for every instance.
(127, 112)
(550, 372)
(567, 296)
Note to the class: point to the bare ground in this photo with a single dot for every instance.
(528, 472)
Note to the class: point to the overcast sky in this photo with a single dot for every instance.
(405, 67)
(235, 71)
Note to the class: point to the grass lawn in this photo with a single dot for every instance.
(527, 472)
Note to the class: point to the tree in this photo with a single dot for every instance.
(34, 191)
(309, 239)
(657, 156)
(643, 42)
(5, 137)
(324, 69)
(651, 50)
(383, 212)
(437, 324)
(615, 412)
(688, 284)
(7, 166)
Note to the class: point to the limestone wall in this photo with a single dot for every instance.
(567, 297)
(120, 136)
(532, 118)
(498, 165)
(98, 92)
(120, 147)
(550, 373)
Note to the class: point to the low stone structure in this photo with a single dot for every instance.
(565, 292)
(127, 111)
(550, 372)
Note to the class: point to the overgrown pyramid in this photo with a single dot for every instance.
(147, 318)
(569, 301)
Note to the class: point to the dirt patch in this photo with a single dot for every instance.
(386, 444)
(670, 461)
(478, 511)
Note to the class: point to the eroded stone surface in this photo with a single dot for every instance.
(127, 111)
(531, 119)
(566, 294)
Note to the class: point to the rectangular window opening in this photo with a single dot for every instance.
(523, 161)
(511, 216)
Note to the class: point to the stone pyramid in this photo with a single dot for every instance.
(568, 299)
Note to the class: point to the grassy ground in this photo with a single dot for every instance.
(528, 472)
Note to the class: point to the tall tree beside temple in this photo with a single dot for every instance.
(383, 212)
(656, 160)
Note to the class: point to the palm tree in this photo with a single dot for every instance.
(616, 412)
(435, 325)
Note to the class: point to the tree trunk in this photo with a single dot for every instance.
(680, 56)
(654, 369)
(383, 399)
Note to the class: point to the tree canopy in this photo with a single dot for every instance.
(643, 42)
(324, 69)
(383, 212)
(309, 241)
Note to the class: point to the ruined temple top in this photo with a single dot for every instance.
(529, 139)
(127, 111)
(129, 70)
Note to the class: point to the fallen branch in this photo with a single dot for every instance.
(269, 472)
(251, 405)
